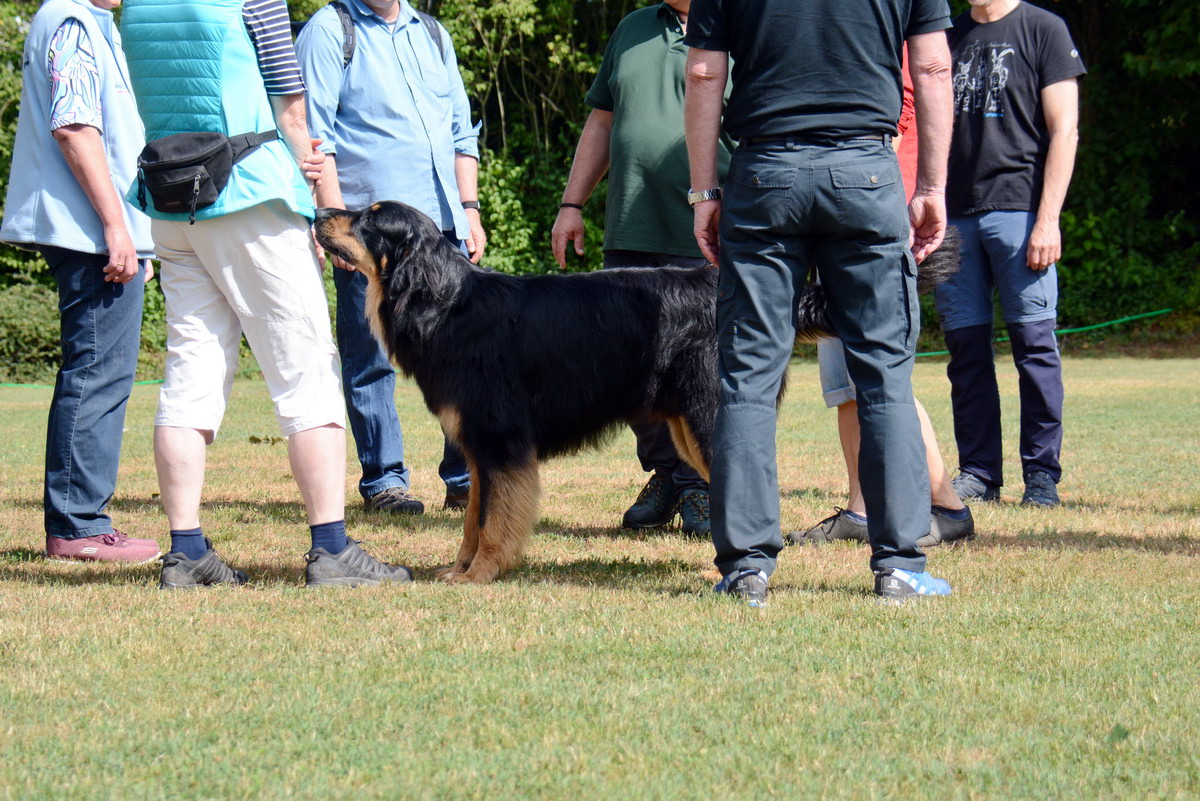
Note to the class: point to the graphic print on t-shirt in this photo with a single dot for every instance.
(980, 78)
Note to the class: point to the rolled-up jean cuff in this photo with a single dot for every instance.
(1050, 314)
(837, 397)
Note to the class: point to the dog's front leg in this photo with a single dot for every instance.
(470, 540)
(509, 500)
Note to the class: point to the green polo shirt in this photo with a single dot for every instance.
(641, 81)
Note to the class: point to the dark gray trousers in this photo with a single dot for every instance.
(789, 205)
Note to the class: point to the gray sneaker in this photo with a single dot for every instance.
(945, 530)
(970, 487)
(838, 526)
(352, 567)
(396, 500)
(1040, 490)
(179, 572)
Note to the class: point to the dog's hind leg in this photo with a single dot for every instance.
(470, 540)
(693, 446)
(508, 510)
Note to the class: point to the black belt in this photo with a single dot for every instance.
(808, 139)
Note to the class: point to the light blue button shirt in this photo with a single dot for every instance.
(395, 117)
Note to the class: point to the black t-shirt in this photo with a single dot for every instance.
(816, 68)
(998, 154)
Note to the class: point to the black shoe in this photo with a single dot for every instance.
(944, 530)
(654, 507)
(179, 572)
(748, 584)
(456, 501)
(352, 567)
(838, 526)
(396, 500)
(694, 512)
(1040, 490)
(970, 487)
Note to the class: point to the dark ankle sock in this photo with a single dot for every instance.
(855, 516)
(189, 542)
(953, 514)
(330, 537)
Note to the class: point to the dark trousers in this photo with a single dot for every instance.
(975, 397)
(101, 328)
(369, 384)
(655, 448)
(788, 206)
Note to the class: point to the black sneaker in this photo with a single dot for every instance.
(1040, 490)
(694, 512)
(893, 584)
(944, 530)
(179, 572)
(838, 526)
(352, 567)
(748, 584)
(654, 507)
(970, 487)
(396, 500)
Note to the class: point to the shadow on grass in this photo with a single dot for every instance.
(32, 567)
(1069, 540)
(814, 494)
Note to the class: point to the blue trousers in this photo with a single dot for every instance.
(655, 449)
(788, 206)
(101, 325)
(369, 384)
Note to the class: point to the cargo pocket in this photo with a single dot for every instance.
(869, 197)
(910, 300)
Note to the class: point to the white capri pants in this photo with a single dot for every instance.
(254, 271)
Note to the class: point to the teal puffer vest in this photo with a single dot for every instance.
(194, 68)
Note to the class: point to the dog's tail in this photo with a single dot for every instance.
(812, 313)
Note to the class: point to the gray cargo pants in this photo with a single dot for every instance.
(788, 205)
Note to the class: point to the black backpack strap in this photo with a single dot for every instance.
(347, 32)
(245, 144)
(435, 31)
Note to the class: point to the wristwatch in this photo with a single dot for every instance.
(694, 197)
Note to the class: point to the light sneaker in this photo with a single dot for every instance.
(1040, 490)
(838, 526)
(181, 573)
(945, 530)
(114, 547)
(748, 584)
(351, 567)
(970, 487)
(893, 584)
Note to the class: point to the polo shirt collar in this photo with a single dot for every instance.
(406, 12)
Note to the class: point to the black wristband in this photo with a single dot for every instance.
(471, 204)
(570, 206)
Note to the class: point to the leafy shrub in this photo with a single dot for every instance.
(29, 339)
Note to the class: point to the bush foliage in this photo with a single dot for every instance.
(1130, 224)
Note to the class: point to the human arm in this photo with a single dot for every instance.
(293, 127)
(466, 175)
(588, 167)
(933, 96)
(1060, 104)
(707, 71)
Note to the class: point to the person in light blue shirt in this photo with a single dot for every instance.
(395, 124)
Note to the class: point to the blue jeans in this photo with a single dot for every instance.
(101, 328)
(655, 448)
(788, 205)
(369, 384)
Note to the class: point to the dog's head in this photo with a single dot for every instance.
(380, 236)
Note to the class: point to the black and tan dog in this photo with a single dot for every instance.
(522, 369)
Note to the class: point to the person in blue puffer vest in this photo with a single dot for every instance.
(245, 264)
(78, 137)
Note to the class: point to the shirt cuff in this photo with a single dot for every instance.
(76, 118)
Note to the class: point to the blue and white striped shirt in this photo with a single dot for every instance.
(271, 32)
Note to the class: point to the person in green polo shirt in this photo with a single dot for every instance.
(635, 132)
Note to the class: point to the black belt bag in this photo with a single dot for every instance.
(188, 171)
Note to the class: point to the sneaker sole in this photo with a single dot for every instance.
(350, 581)
(81, 560)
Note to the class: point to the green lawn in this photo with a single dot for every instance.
(1065, 665)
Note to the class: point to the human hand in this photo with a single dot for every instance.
(707, 216)
(1045, 245)
(314, 163)
(123, 260)
(927, 221)
(477, 239)
(149, 274)
(568, 227)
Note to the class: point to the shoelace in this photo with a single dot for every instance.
(697, 502)
(359, 559)
(115, 538)
(655, 488)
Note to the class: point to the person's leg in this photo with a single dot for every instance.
(179, 457)
(964, 303)
(100, 336)
(318, 460)
(369, 386)
(941, 492)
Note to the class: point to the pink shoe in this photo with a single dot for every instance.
(115, 547)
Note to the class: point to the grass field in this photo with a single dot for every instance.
(1066, 665)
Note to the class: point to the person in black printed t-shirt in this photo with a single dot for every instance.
(1016, 104)
(815, 99)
